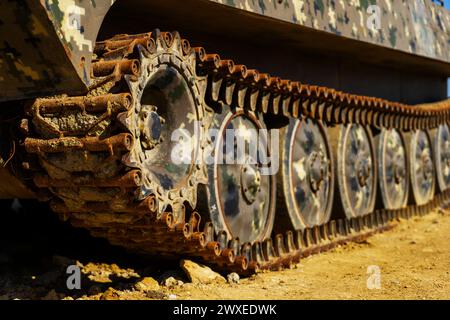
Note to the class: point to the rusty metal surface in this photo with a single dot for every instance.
(97, 187)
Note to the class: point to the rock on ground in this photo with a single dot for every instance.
(198, 273)
(147, 284)
(233, 278)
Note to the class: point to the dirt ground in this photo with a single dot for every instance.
(413, 260)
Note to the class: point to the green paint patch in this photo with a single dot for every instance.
(319, 5)
(57, 13)
(393, 36)
(177, 93)
(262, 5)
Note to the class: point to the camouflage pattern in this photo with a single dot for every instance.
(423, 175)
(46, 45)
(392, 169)
(241, 199)
(414, 26)
(357, 174)
(307, 173)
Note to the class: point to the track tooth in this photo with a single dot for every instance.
(308, 238)
(366, 226)
(222, 239)
(215, 85)
(194, 222)
(351, 225)
(333, 230)
(268, 250)
(360, 223)
(257, 253)
(324, 232)
(290, 243)
(227, 91)
(316, 239)
(384, 217)
(342, 230)
(280, 250)
(299, 240)
(245, 250)
(274, 103)
(209, 231)
(235, 245)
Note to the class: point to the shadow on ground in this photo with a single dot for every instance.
(36, 249)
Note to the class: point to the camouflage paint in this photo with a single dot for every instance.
(413, 26)
(46, 46)
(422, 170)
(307, 173)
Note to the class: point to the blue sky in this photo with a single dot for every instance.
(447, 5)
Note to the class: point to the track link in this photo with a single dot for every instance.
(78, 145)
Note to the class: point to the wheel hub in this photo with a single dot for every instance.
(399, 171)
(317, 170)
(363, 170)
(250, 182)
(150, 126)
(427, 166)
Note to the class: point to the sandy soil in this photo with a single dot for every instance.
(413, 259)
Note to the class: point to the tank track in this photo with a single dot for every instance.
(79, 167)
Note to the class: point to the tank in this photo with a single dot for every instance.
(257, 133)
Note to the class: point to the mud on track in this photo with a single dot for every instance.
(36, 248)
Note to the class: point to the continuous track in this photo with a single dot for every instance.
(80, 156)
